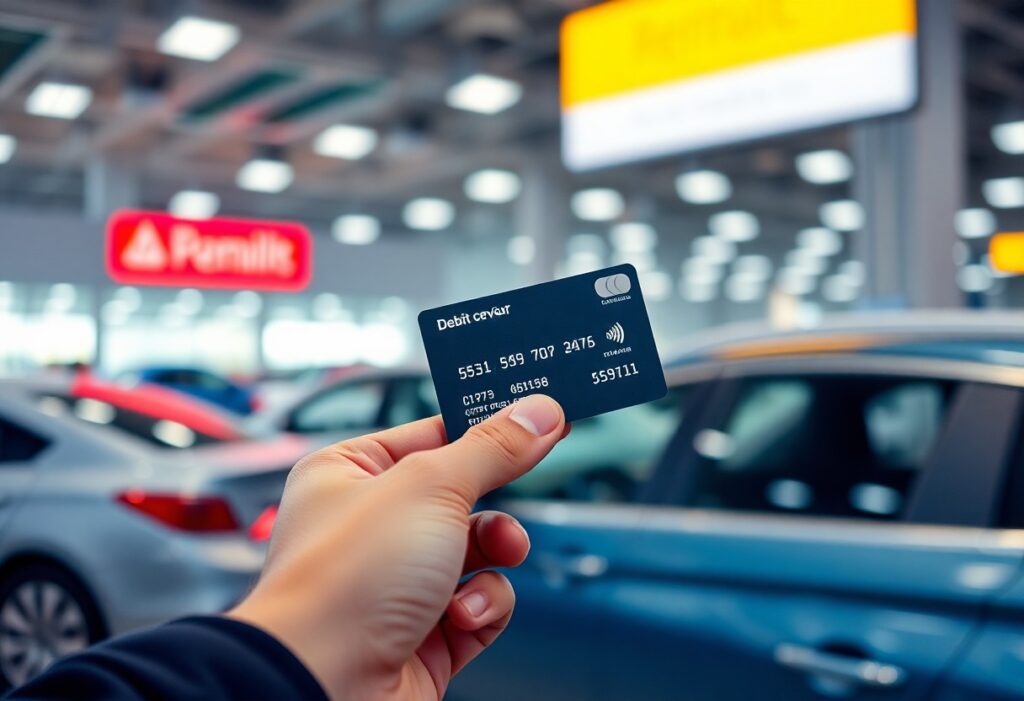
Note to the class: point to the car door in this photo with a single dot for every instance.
(790, 567)
(20, 448)
(559, 641)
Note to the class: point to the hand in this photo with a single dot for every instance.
(373, 535)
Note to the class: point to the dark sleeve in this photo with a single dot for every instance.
(194, 658)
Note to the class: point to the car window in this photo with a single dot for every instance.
(1012, 512)
(605, 458)
(209, 381)
(18, 444)
(412, 399)
(348, 407)
(839, 446)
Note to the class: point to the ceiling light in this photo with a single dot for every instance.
(248, 303)
(129, 298)
(975, 223)
(8, 144)
(824, 167)
(58, 100)
(737, 226)
(656, 284)
(754, 266)
(714, 249)
(598, 204)
(265, 175)
(701, 271)
(345, 141)
(1004, 192)
(189, 301)
(484, 94)
(428, 214)
(820, 240)
(854, 270)
(697, 292)
(493, 186)
(356, 229)
(327, 307)
(198, 38)
(522, 250)
(839, 288)
(582, 262)
(1009, 137)
(634, 237)
(585, 243)
(795, 282)
(974, 278)
(741, 287)
(641, 260)
(806, 261)
(194, 204)
(842, 215)
(703, 187)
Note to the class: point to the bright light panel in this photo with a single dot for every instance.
(975, 223)
(345, 141)
(697, 291)
(265, 175)
(974, 278)
(806, 261)
(736, 226)
(824, 167)
(854, 270)
(198, 38)
(493, 186)
(356, 229)
(703, 187)
(8, 144)
(656, 284)
(820, 240)
(194, 204)
(741, 287)
(428, 214)
(701, 271)
(58, 100)
(522, 250)
(714, 249)
(1009, 137)
(634, 237)
(598, 204)
(795, 282)
(842, 215)
(753, 266)
(585, 243)
(1004, 192)
(484, 94)
(839, 289)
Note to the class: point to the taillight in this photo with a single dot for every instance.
(263, 526)
(184, 513)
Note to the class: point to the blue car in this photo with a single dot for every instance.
(205, 385)
(836, 513)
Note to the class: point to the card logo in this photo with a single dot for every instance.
(612, 286)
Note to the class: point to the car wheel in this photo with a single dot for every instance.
(45, 614)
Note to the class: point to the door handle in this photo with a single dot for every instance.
(844, 669)
(560, 568)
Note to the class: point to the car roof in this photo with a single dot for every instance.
(991, 338)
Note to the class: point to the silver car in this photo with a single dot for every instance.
(102, 532)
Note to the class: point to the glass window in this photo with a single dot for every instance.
(832, 446)
(412, 399)
(606, 457)
(17, 444)
(344, 408)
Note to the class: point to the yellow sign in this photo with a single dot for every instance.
(1006, 252)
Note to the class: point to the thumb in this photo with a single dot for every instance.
(498, 450)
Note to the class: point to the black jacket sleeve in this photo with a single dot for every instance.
(207, 658)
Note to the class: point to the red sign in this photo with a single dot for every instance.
(153, 248)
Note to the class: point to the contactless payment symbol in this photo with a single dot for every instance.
(616, 333)
(612, 285)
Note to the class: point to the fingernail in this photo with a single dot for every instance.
(475, 602)
(538, 414)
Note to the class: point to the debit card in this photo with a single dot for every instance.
(584, 340)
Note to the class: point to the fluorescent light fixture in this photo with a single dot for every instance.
(189, 301)
(703, 187)
(598, 204)
(1004, 193)
(356, 229)
(326, 306)
(820, 240)
(842, 215)
(521, 249)
(248, 303)
(8, 144)
(806, 261)
(129, 298)
(697, 292)
(701, 271)
(656, 284)
(974, 278)
(753, 266)
(265, 175)
(634, 237)
(736, 226)
(493, 186)
(428, 214)
(585, 243)
(854, 270)
(795, 282)
(58, 100)
(194, 204)
(824, 167)
(198, 38)
(742, 287)
(839, 289)
(714, 249)
(484, 94)
(1009, 137)
(975, 223)
(345, 141)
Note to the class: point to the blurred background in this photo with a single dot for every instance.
(220, 218)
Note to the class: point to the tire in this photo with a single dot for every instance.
(45, 613)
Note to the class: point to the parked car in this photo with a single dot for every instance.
(836, 514)
(106, 526)
(205, 385)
